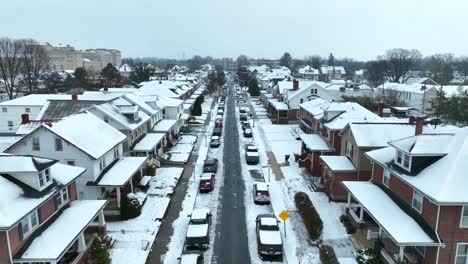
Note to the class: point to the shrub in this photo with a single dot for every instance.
(368, 256)
(99, 253)
(350, 228)
(327, 255)
(150, 170)
(309, 215)
(130, 207)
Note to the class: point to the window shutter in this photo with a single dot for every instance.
(20, 231)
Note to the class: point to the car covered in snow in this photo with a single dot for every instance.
(270, 244)
(215, 142)
(251, 154)
(245, 124)
(243, 117)
(220, 112)
(210, 165)
(191, 257)
(247, 133)
(207, 182)
(219, 123)
(217, 131)
(198, 231)
(260, 193)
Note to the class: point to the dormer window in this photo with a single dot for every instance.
(403, 160)
(44, 178)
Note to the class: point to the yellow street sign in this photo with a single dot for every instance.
(284, 215)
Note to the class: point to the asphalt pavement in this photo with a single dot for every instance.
(231, 243)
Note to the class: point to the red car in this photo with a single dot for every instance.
(207, 181)
(218, 124)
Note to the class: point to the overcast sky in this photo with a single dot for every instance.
(360, 29)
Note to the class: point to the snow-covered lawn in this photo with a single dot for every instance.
(165, 181)
(181, 148)
(180, 157)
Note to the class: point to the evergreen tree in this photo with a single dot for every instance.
(254, 90)
(81, 75)
(286, 60)
(110, 76)
(438, 103)
(99, 253)
(197, 109)
(141, 73)
(53, 82)
(331, 60)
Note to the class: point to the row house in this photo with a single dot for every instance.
(416, 201)
(86, 141)
(329, 73)
(308, 72)
(41, 219)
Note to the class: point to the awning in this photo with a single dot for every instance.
(148, 142)
(314, 142)
(338, 163)
(164, 125)
(401, 227)
(122, 171)
(52, 243)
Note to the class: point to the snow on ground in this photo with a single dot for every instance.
(181, 148)
(187, 139)
(180, 157)
(165, 181)
(195, 200)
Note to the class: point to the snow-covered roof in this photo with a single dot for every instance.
(116, 113)
(122, 171)
(148, 142)
(7, 141)
(337, 69)
(270, 237)
(382, 156)
(279, 106)
(35, 99)
(401, 227)
(14, 163)
(316, 107)
(308, 70)
(338, 163)
(431, 144)
(53, 241)
(314, 142)
(88, 133)
(347, 112)
(164, 125)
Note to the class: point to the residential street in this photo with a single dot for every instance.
(231, 245)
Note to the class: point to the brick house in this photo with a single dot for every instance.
(416, 200)
(41, 220)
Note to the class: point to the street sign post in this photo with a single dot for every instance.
(284, 216)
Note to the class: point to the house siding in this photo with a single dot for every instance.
(401, 189)
(4, 253)
(336, 190)
(450, 232)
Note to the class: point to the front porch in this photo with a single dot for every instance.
(378, 218)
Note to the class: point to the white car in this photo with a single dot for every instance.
(260, 193)
(191, 257)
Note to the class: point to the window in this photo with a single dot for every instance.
(302, 100)
(462, 254)
(10, 123)
(41, 179)
(27, 110)
(28, 223)
(418, 198)
(386, 177)
(62, 197)
(58, 144)
(36, 145)
(25, 225)
(47, 175)
(464, 217)
(71, 162)
(349, 149)
(399, 157)
(404, 160)
(4, 109)
(116, 153)
(106, 119)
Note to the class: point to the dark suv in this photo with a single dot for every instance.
(198, 231)
(269, 239)
(211, 165)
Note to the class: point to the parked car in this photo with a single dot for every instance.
(260, 193)
(251, 154)
(217, 131)
(207, 182)
(198, 229)
(215, 142)
(191, 257)
(211, 165)
(248, 133)
(243, 117)
(245, 124)
(221, 107)
(269, 239)
(218, 124)
(220, 112)
(219, 117)
(243, 110)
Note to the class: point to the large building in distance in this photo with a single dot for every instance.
(67, 58)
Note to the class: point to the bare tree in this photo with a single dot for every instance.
(10, 64)
(399, 62)
(34, 60)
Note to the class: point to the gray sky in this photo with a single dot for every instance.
(360, 29)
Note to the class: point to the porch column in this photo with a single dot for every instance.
(81, 243)
(361, 215)
(400, 255)
(380, 232)
(101, 219)
(131, 184)
(118, 197)
(349, 200)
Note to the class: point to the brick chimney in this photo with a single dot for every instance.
(106, 89)
(419, 125)
(295, 84)
(74, 97)
(380, 107)
(24, 119)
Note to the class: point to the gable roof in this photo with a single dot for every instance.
(345, 113)
(115, 113)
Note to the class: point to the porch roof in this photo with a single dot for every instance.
(401, 227)
(164, 125)
(148, 142)
(122, 171)
(315, 143)
(279, 106)
(62, 232)
(338, 163)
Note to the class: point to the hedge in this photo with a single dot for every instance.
(311, 218)
(130, 207)
(327, 255)
(350, 227)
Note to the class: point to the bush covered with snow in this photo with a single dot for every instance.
(348, 223)
(368, 256)
(130, 207)
(327, 255)
(150, 170)
(309, 215)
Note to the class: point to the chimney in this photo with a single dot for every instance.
(74, 97)
(380, 109)
(419, 125)
(295, 84)
(24, 119)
